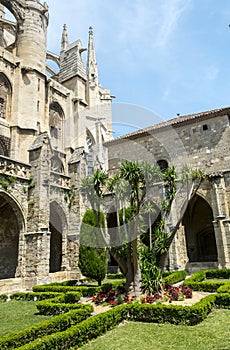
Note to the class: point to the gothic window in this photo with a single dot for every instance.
(56, 117)
(5, 97)
(90, 154)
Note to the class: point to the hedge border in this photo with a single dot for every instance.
(55, 324)
(97, 325)
(198, 280)
(86, 291)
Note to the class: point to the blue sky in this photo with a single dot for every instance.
(164, 56)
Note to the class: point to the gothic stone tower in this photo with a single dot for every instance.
(52, 128)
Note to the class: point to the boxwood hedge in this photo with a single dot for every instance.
(97, 325)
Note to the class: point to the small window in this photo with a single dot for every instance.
(205, 127)
(163, 165)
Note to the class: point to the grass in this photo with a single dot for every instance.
(17, 315)
(211, 334)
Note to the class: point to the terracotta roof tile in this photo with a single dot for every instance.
(175, 122)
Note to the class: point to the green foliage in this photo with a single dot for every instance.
(174, 314)
(86, 291)
(174, 277)
(222, 300)
(31, 296)
(114, 276)
(150, 273)
(80, 334)
(92, 260)
(97, 325)
(69, 197)
(224, 289)
(221, 273)
(6, 181)
(198, 280)
(56, 324)
(169, 178)
(3, 297)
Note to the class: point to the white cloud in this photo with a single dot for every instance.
(170, 14)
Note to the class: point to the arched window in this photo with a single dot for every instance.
(5, 97)
(163, 164)
(90, 162)
(56, 117)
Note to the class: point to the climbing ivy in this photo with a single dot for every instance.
(6, 181)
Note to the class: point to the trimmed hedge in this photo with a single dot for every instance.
(32, 296)
(81, 333)
(56, 324)
(60, 304)
(97, 325)
(174, 277)
(3, 297)
(175, 314)
(114, 276)
(198, 281)
(222, 300)
(84, 290)
(222, 273)
(224, 289)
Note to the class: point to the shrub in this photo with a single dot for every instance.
(222, 300)
(114, 276)
(34, 296)
(198, 280)
(174, 277)
(3, 297)
(81, 333)
(86, 291)
(92, 260)
(221, 273)
(224, 289)
(59, 304)
(56, 324)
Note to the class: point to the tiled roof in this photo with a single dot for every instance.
(174, 123)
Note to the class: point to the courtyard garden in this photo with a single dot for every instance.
(68, 316)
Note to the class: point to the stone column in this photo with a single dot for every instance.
(221, 220)
(38, 235)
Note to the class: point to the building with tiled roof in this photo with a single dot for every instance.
(199, 141)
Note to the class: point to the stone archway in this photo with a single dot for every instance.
(11, 225)
(199, 231)
(57, 229)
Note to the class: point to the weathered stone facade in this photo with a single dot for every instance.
(198, 141)
(52, 129)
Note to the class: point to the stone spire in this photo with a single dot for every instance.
(64, 39)
(92, 70)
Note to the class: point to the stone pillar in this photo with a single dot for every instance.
(38, 235)
(221, 220)
(31, 36)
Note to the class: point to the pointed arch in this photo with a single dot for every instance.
(11, 231)
(56, 125)
(199, 231)
(58, 228)
(5, 97)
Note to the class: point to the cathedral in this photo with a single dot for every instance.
(52, 129)
(56, 128)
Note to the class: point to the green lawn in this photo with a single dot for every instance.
(212, 334)
(16, 315)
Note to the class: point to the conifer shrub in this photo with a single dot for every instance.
(92, 258)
